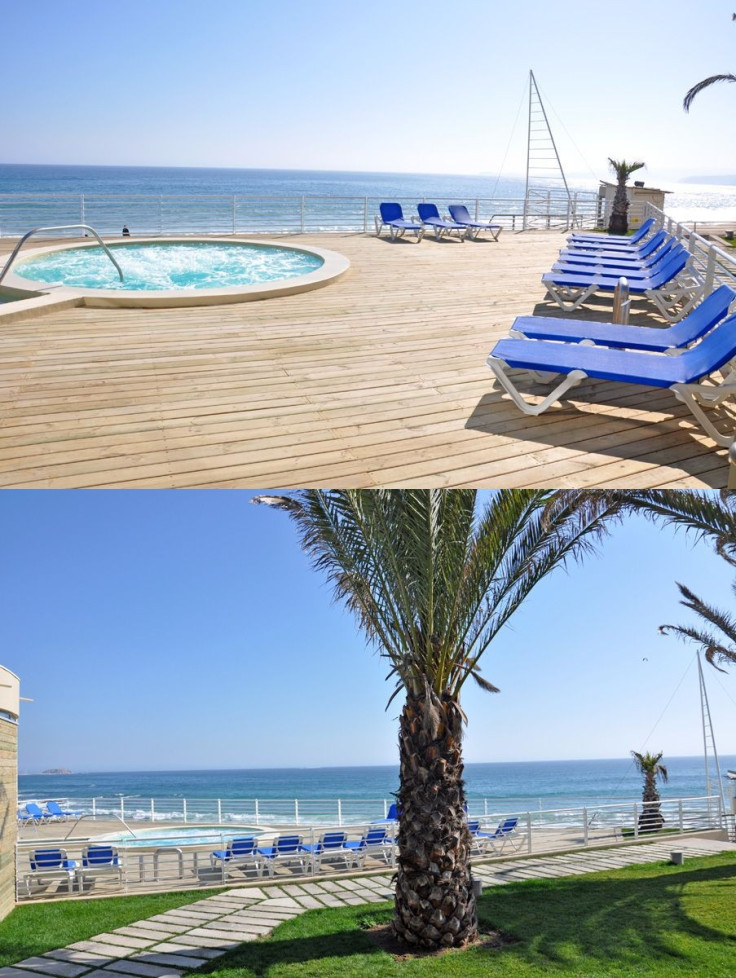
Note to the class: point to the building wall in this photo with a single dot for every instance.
(638, 198)
(8, 788)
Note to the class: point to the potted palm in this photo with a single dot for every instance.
(619, 221)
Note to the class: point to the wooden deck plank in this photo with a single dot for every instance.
(376, 380)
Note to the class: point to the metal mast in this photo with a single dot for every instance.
(542, 159)
(709, 742)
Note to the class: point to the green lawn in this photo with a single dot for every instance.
(655, 920)
(35, 928)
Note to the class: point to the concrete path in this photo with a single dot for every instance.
(180, 940)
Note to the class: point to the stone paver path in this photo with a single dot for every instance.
(183, 939)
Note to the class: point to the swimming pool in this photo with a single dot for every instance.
(174, 271)
(186, 835)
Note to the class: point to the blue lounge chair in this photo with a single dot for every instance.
(605, 240)
(33, 814)
(239, 853)
(392, 815)
(376, 843)
(506, 834)
(100, 861)
(620, 254)
(330, 848)
(430, 217)
(615, 266)
(287, 849)
(57, 813)
(682, 374)
(50, 864)
(392, 217)
(693, 327)
(460, 214)
(683, 286)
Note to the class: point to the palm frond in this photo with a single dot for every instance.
(705, 83)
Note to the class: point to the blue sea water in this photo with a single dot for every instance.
(685, 201)
(544, 783)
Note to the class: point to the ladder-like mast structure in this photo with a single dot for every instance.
(542, 159)
(709, 741)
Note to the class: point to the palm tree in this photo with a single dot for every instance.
(619, 222)
(431, 581)
(648, 765)
(705, 83)
(717, 646)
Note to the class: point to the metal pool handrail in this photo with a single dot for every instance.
(81, 817)
(60, 227)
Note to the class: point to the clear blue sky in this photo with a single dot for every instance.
(419, 85)
(185, 629)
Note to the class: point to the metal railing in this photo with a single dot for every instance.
(226, 214)
(154, 861)
(709, 260)
(59, 227)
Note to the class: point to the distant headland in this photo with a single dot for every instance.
(57, 770)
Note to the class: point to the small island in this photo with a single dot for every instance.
(57, 770)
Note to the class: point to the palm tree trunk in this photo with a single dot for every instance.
(651, 819)
(619, 221)
(434, 905)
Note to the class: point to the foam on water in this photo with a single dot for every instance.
(153, 266)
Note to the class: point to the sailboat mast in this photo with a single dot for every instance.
(709, 737)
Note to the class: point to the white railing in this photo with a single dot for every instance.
(147, 860)
(226, 214)
(272, 811)
(713, 264)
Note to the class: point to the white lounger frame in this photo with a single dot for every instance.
(692, 395)
(395, 232)
(674, 300)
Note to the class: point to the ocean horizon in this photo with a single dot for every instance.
(540, 782)
(687, 201)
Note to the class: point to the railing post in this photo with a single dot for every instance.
(219, 811)
(235, 213)
(301, 216)
(485, 806)
(710, 269)
(153, 811)
(529, 832)
(585, 826)
(184, 809)
(81, 209)
(365, 215)
(296, 811)
(339, 811)
(679, 813)
(732, 465)
(477, 205)
(256, 812)
(122, 807)
(94, 808)
(636, 821)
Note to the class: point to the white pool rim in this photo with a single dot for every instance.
(191, 835)
(334, 265)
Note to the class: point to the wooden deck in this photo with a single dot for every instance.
(376, 380)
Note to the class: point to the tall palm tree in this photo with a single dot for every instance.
(619, 221)
(431, 579)
(651, 818)
(719, 645)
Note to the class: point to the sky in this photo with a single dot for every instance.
(165, 630)
(421, 86)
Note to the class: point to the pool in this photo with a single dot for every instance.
(175, 271)
(178, 837)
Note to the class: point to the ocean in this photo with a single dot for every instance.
(686, 201)
(533, 784)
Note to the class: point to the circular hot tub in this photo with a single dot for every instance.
(176, 271)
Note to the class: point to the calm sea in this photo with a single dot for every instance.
(694, 202)
(540, 783)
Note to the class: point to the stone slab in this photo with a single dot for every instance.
(240, 937)
(109, 950)
(138, 970)
(168, 960)
(123, 939)
(80, 957)
(189, 940)
(204, 953)
(51, 966)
